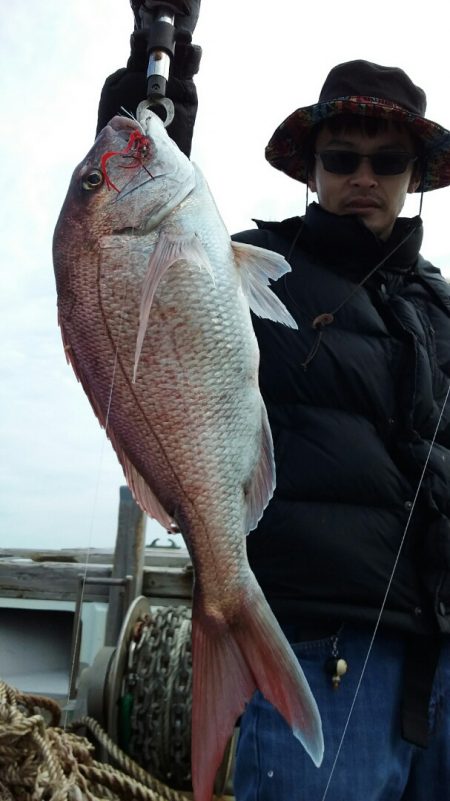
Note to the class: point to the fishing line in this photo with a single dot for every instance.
(330, 315)
(77, 633)
(132, 116)
(391, 578)
(374, 269)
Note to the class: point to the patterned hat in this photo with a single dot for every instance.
(370, 90)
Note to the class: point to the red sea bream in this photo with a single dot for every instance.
(154, 307)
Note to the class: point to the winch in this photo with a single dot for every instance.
(140, 692)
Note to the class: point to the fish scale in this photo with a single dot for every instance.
(154, 307)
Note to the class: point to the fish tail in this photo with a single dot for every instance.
(230, 662)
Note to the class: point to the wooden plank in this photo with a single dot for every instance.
(27, 579)
(158, 556)
(167, 582)
(128, 562)
(59, 580)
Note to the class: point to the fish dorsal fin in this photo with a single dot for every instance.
(262, 484)
(256, 266)
(169, 249)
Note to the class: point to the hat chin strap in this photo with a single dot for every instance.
(307, 191)
(421, 203)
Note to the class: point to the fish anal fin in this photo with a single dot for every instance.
(170, 248)
(144, 495)
(256, 266)
(262, 483)
(230, 661)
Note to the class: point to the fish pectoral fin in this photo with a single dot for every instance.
(256, 266)
(230, 662)
(262, 483)
(169, 249)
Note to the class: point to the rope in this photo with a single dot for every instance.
(40, 762)
(32, 702)
(126, 764)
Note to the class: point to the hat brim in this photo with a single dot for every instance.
(286, 148)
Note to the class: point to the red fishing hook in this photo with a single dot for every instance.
(137, 148)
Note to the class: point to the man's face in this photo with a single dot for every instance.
(376, 199)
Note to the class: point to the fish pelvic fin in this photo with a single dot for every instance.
(230, 662)
(169, 249)
(256, 266)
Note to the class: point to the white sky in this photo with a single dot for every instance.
(59, 478)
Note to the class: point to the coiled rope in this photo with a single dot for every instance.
(41, 762)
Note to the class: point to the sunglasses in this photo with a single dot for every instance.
(346, 162)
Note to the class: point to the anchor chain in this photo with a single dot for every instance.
(159, 679)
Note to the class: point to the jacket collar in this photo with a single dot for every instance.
(346, 244)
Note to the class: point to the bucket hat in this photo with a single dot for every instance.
(369, 90)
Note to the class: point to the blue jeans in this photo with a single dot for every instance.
(374, 763)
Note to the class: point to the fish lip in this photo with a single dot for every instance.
(120, 124)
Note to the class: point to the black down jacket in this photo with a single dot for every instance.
(354, 405)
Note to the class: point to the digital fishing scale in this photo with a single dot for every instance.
(158, 24)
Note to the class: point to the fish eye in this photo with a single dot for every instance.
(92, 180)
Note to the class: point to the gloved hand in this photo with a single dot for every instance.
(127, 87)
(186, 13)
(186, 61)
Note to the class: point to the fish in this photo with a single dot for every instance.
(154, 303)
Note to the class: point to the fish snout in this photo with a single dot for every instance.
(123, 125)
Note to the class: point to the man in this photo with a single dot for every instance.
(353, 552)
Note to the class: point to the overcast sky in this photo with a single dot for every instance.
(59, 479)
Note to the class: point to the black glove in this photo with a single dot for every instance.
(186, 13)
(186, 61)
